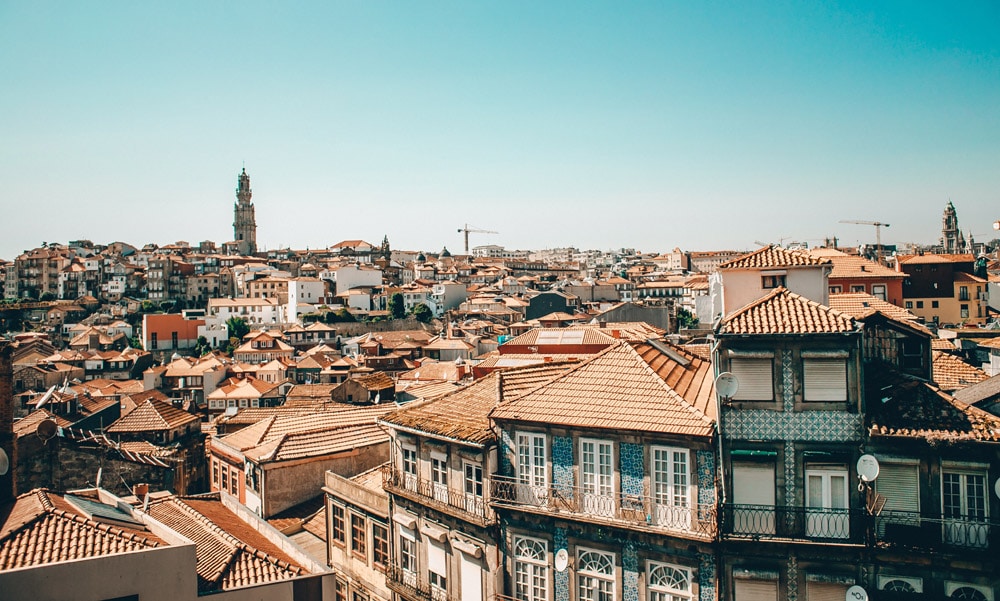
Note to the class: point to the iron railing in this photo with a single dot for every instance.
(643, 511)
(472, 506)
(411, 586)
(930, 530)
(780, 522)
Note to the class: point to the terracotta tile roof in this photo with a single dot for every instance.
(376, 381)
(940, 258)
(981, 391)
(549, 336)
(280, 424)
(968, 278)
(685, 372)
(245, 388)
(371, 479)
(496, 360)
(42, 527)
(617, 389)
(429, 390)
(317, 442)
(464, 414)
(951, 373)
(703, 350)
(784, 312)
(626, 330)
(859, 305)
(152, 416)
(298, 513)
(856, 267)
(940, 344)
(230, 553)
(313, 392)
(916, 409)
(771, 256)
(990, 342)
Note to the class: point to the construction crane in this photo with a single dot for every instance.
(878, 232)
(471, 229)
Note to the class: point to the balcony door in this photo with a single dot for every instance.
(964, 503)
(826, 502)
(753, 498)
(439, 476)
(671, 488)
(596, 477)
(532, 469)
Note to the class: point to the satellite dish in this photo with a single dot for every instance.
(726, 385)
(46, 429)
(868, 468)
(562, 560)
(996, 487)
(4, 463)
(856, 593)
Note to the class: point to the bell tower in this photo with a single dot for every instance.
(952, 240)
(244, 223)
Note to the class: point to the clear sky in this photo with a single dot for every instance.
(702, 125)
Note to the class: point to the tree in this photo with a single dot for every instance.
(238, 327)
(48, 296)
(685, 319)
(397, 309)
(202, 347)
(422, 313)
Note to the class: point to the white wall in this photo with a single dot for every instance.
(350, 276)
(742, 287)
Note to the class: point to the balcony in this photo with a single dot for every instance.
(905, 529)
(468, 507)
(637, 512)
(768, 522)
(409, 585)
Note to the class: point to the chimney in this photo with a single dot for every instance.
(616, 333)
(140, 490)
(8, 482)
(499, 387)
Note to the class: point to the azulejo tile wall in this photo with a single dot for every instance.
(507, 449)
(630, 572)
(764, 424)
(561, 541)
(706, 478)
(632, 468)
(793, 578)
(562, 464)
(790, 481)
(787, 381)
(706, 577)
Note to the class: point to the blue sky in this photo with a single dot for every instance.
(701, 125)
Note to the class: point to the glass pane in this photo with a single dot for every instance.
(838, 492)
(815, 486)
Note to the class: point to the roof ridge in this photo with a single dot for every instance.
(673, 393)
(564, 374)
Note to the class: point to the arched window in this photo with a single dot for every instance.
(898, 586)
(668, 583)
(531, 569)
(967, 592)
(596, 575)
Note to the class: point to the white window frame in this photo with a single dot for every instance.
(960, 526)
(825, 520)
(439, 475)
(531, 572)
(672, 488)
(532, 467)
(597, 476)
(660, 591)
(595, 585)
(408, 465)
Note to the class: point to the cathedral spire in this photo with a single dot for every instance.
(244, 222)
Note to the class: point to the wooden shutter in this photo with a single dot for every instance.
(755, 379)
(824, 379)
(826, 591)
(756, 590)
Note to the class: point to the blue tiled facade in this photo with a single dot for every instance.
(820, 426)
(632, 469)
(787, 381)
(705, 464)
(561, 579)
(562, 464)
(793, 578)
(706, 577)
(630, 572)
(507, 450)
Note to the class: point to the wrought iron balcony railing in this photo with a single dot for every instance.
(642, 511)
(470, 506)
(409, 585)
(928, 530)
(778, 522)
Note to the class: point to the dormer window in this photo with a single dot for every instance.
(772, 279)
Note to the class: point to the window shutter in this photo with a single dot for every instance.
(756, 590)
(436, 561)
(472, 578)
(826, 591)
(825, 379)
(753, 484)
(754, 375)
(899, 484)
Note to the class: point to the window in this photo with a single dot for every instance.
(473, 487)
(878, 291)
(531, 569)
(532, 468)
(359, 596)
(407, 552)
(963, 293)
(935, 305)
(753, 498)
(967, 591)
(899, 484)
(671, 487)
(772, 281)
(668, 582)
(340, 590)
(409, 468)
(755, 590)
(380, 545)
(439, 476)
(153, 341)
(596, 477)
(225, 478)
(234, 484)
(173, 340)
(755, 377)
(836, 289)
(595, 575)
(824, 379)
(215, 473)
(964, 311)
(963, 502)
(820, 590)
(337, 524)
(358, 534)
(858, 288)
(826, 501)
(437, 567)
(920, 304)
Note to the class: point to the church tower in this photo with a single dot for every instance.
(952, 240)
(244, 223)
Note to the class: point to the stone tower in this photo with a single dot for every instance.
(244, 223)
(952, 240)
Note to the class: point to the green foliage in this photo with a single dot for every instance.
(397, 308)
(237, 327)
(135, 342)
(422, 313)
(48, 296)
(340, 316)
(147, 307)
(685, 319)
(202, 347)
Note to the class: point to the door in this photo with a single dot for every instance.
(753, 498)
(963, 502)
(532, 469)
(474, 488)
(439, 477)
(596, 477)
(671, 488)
(826, 502)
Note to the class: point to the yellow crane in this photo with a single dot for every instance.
(471, 229)
(878, 232)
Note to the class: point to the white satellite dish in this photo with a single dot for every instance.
(562, 560)
(727, 385)
(856, 593)
(868, 467)
(4, 463)
(996, 487)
